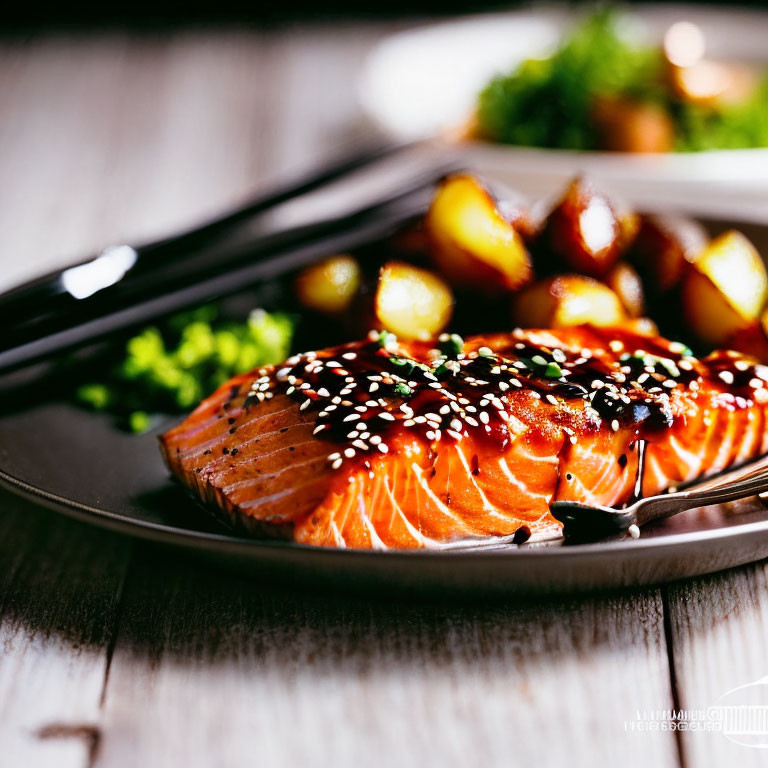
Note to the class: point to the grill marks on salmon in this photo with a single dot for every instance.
(378, 445)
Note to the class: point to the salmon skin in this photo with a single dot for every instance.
(379, 444)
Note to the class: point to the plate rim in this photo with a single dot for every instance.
(193, 539)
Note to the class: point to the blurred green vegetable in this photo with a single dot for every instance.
(169, 368)
(550, 102)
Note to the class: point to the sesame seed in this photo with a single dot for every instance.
(333, 364)
(336, 464)
(319, 428)
(386, 416)
(349, 452)
(349, 355)
(375, 439)
(484, 417)
(323, 392)
(373, 387)
(615, 425)
(350, 417)
(726, 376)
(304, 405)
(383, 447)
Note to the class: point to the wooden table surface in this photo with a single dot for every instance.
(118, 653)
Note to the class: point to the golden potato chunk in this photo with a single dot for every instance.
(330, 285)
(472, 242)
(752, 340)
(726, 289)
(567, 300)
(583, 231)
(624, 281)
(411, 302)
(623, 125)
(662, 248)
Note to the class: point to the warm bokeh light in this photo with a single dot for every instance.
(684, 44)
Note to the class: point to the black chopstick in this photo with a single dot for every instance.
(271, 257)
(14, 302)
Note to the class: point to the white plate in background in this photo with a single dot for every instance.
(424, 82)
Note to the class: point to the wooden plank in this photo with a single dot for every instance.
(60, 583)
(719, 637)
(111, 139)
(214, 667)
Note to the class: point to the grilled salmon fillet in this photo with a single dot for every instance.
(380, 444)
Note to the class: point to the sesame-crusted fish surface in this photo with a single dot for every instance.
(380, 444)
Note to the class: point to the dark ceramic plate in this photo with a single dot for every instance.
(78, 463)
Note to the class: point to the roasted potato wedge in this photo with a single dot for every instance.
(726, 289)
(411, 302)
(752, 340)
(662, 247)
(623, 125)
(583, 232)
(567, 300)
(624, 281)
(472, 242)
(329, 286)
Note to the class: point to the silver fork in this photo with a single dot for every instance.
(585, 522)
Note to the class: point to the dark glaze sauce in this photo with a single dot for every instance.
(364, 392)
